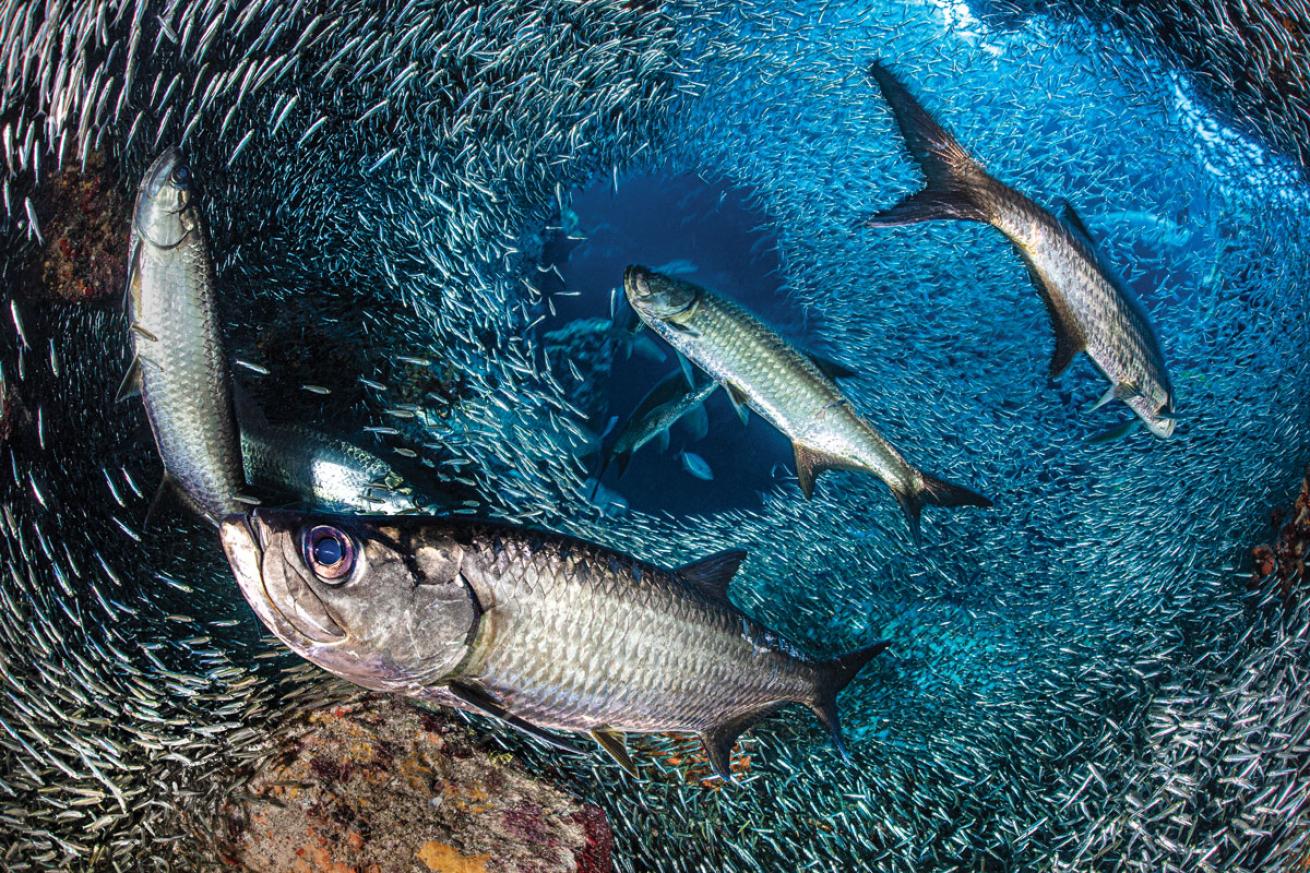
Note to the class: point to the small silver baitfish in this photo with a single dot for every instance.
(1090, 308)
(178, 365)
(786, 386)
(545, 632)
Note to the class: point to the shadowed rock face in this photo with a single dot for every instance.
(379, 786)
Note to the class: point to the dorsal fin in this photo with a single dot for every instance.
(1076, 223)
(834, 370)
(1068, 337)
(712, 575)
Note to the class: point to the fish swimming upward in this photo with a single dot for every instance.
(787, 387)
(178, 365)
(1089, 306)
(542, 631)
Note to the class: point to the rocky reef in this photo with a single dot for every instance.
(377, 786)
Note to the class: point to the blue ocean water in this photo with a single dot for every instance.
(1071, 671)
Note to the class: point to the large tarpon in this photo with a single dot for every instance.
(545, 632)
(793, 393)
(178, 364)
(1090, 308)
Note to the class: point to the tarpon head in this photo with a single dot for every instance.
(656, 297)
(1155, 407)
(378, 601)
(163, 213)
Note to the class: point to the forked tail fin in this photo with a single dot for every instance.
(956, 182)
(833, 677)
(938, 493)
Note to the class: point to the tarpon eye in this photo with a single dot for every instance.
(181, 175)
(330, 553)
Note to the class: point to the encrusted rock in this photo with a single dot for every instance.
(85, 222)
(380, 786)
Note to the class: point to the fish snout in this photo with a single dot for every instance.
(636, 283)
(167, 184)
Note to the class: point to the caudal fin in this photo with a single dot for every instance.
(957, 184)
(833, 677)
(938, 493)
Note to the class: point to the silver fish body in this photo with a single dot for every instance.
(785, 386)
(545, 631)
(329, 473)
(1090, 308)
(179, 366)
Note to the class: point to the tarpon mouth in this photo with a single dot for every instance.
(636, 281)
(285, 602)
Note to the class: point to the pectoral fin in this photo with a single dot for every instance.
(662, 438)
(613, 743)
(740, 403)
(482, 702)
(1123, 391)
(130, 287)
(811, 462)
(1117, 432)
(131, 384)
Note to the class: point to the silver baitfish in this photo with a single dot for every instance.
(178, 366)
(327, 472)
(761, 369)
(1091, 309)
(672, 398)
(436, 609)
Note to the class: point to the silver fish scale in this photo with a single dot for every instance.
(577, 638)
(184, 383)
(784, 386)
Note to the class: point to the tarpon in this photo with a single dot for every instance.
(178, 364)
(545, 632)
(672, 398)
(1090, 308)
(784, 385)
(327, 472)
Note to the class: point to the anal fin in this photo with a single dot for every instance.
(718, 740)
(811, 462)
(484, 703)
(613, 742)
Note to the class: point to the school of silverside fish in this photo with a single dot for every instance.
(1078, 678)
